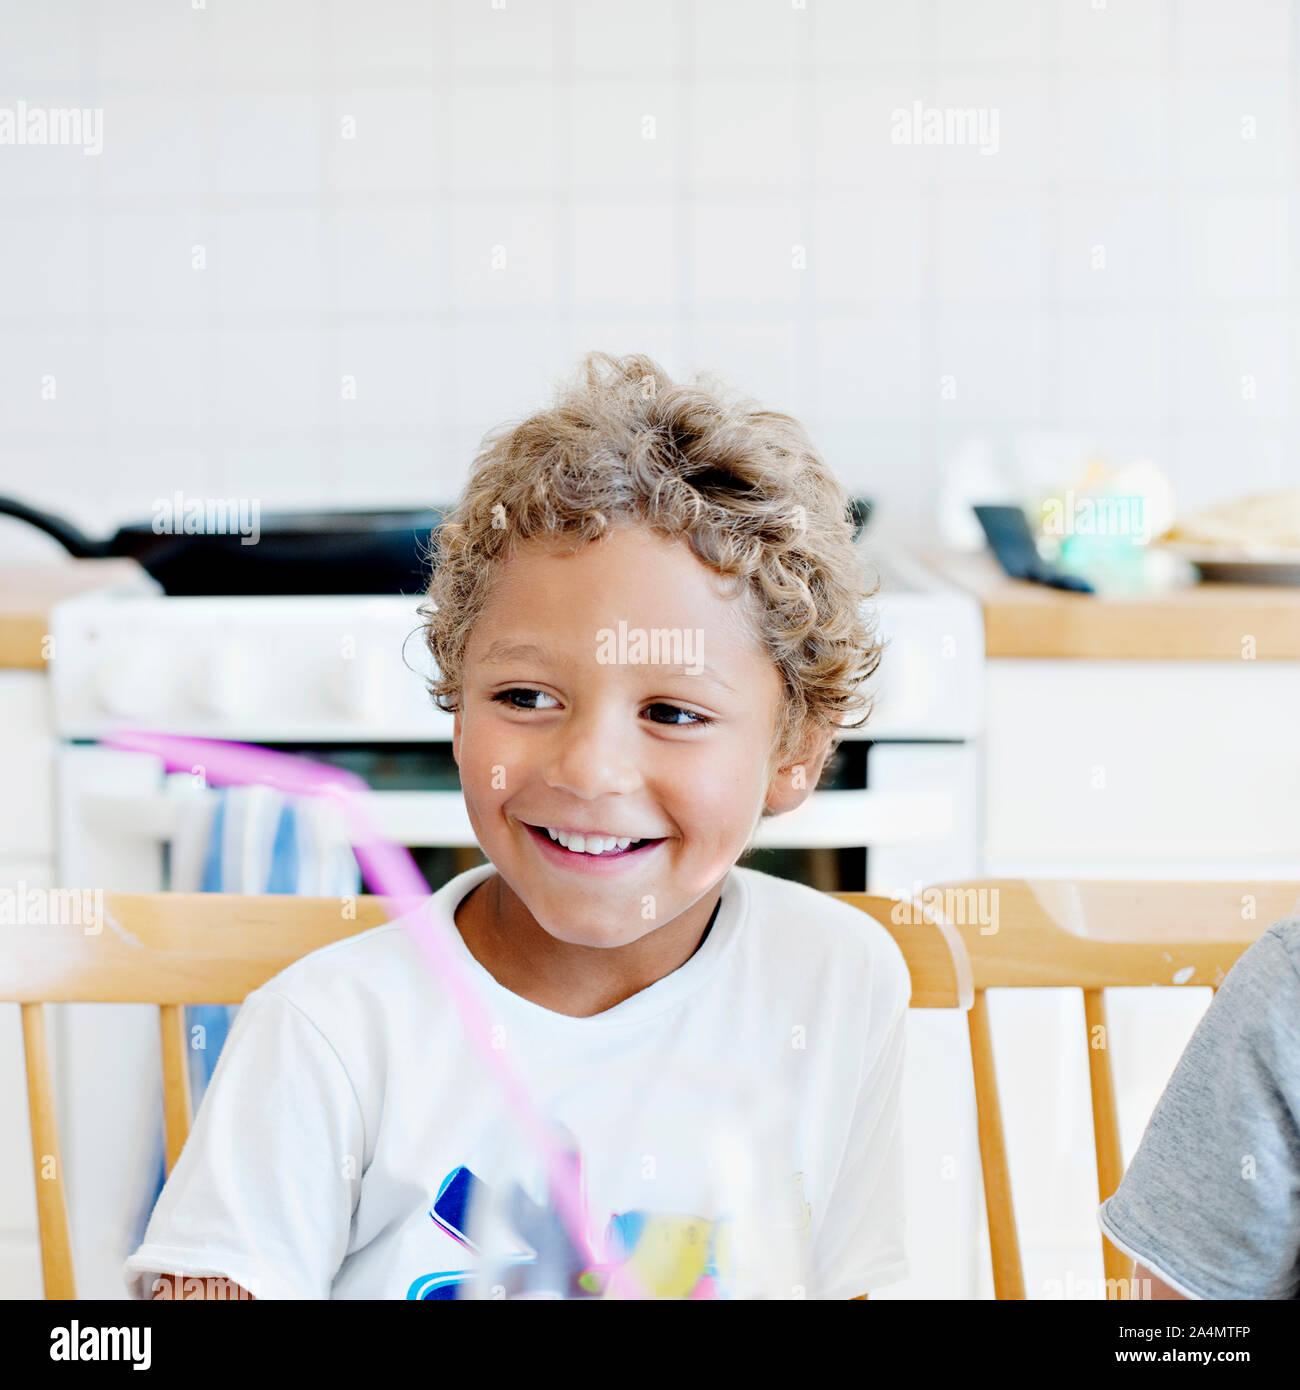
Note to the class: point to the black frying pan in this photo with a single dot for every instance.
(373, 552)
(295, 552)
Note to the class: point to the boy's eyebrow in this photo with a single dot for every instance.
(705, 670)
(502, 651)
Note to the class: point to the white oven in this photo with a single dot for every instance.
(341, 678)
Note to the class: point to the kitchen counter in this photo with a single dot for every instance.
(28, 592)
(1200, 622)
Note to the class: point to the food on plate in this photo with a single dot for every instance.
(1266, 521)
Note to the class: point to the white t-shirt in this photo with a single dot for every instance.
(348, 1110)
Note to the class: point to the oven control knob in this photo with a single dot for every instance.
(358, 686)
(136, 679)
(225, 683)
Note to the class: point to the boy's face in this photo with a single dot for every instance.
(588, 732)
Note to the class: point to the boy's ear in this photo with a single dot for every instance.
(455, 736)
(793, 783)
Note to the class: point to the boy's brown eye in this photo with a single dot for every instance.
(504, 697)
(694, 719)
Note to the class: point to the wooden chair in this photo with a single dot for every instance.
(176, 949)
(1090, 935)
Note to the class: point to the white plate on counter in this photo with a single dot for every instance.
(1239, 565)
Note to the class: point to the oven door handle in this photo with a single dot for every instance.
(860, 819)
(826, 820)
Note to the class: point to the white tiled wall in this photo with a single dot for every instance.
(449, 201)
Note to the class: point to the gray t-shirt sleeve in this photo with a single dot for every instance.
(1211, 1201)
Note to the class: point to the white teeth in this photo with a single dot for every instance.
(588, 844)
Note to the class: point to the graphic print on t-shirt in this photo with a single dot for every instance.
(655, 1254)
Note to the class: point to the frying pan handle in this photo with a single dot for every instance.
(67, 535)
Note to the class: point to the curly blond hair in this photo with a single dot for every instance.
(743, 487)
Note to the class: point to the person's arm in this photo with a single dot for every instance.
(1212, 1195)
(1143, 1277)
(261, 1198)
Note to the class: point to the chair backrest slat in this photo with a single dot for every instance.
(1105, 1122)
(1004, 1243)
(47, 1160)
(177, 1106)
(1054, 933)
(178, 948)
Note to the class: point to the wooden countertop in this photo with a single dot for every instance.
(28, 592)
(1199, 622)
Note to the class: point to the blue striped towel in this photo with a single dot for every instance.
(249, 840)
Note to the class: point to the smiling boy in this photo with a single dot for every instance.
(619, 751)
(613, 788)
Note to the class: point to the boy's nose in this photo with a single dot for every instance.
(592, 757)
